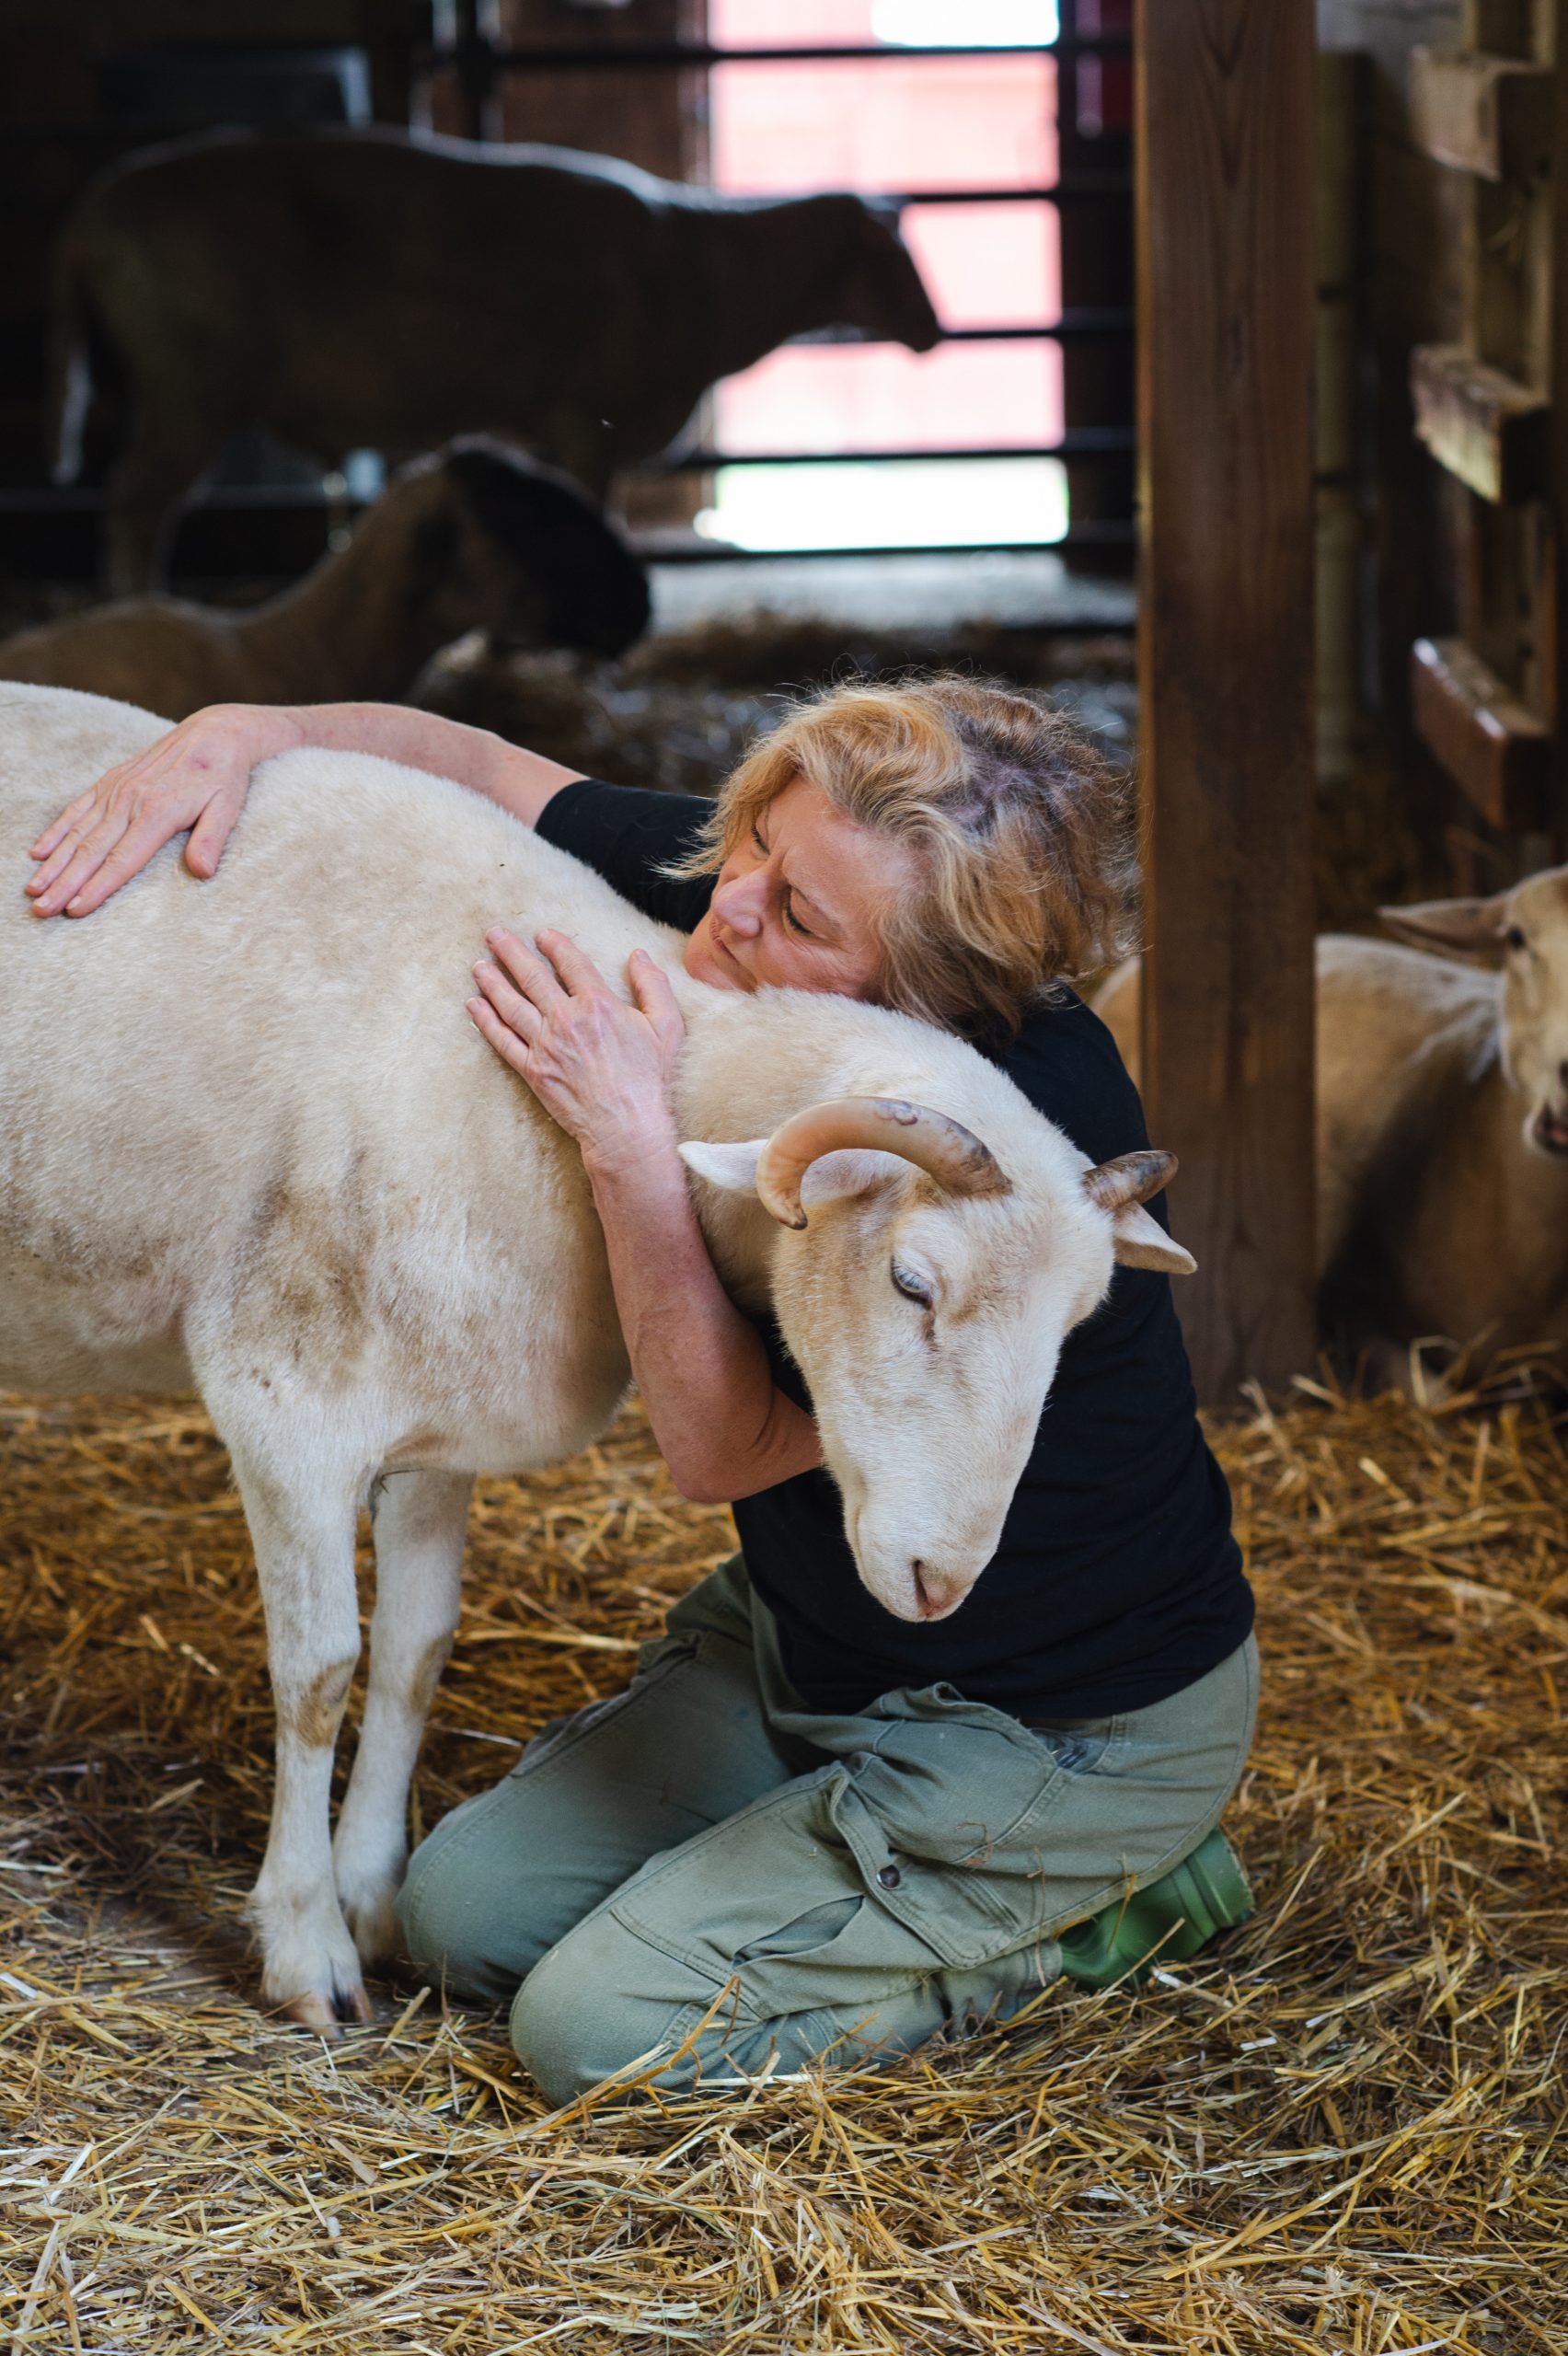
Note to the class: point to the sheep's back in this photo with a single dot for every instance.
(370, 283)
(157, 646)
(276, 1065)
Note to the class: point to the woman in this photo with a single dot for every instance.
(808, 1827)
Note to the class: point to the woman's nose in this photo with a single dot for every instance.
(739, 904)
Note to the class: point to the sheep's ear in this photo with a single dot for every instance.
(731, 1167)
(829, 1179)
(1141, 1243)
(852, 1169)
(1122, 1188)
(1452, 928)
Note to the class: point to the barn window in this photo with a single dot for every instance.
(942, 448)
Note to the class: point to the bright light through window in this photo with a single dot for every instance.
(916, 121)
(937, 502)
(943, 24)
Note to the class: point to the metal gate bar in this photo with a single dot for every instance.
(1079, 441)
(479, 61)
(702, 54)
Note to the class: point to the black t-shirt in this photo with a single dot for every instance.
(1117, 1581)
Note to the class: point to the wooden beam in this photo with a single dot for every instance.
(1487, 115)
(1554, 617)
(1226, 154)
(1486, 428)
(1495, 749)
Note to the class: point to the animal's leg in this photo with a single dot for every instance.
(159, 463)
(419, 1518)
(302, 1526)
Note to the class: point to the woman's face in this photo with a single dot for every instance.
(798, 906)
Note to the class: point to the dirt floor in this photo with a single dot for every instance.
(1344, 2130)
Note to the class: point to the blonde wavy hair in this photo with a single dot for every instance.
(1017, 826)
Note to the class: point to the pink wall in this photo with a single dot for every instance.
(918, 121)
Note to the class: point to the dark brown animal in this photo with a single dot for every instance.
(349, 288)
(478, 537)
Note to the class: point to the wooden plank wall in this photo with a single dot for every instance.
(1226, 161)
(1411, 293)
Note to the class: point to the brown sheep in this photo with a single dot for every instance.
(376, 288)
(478, 537)
(1442, 1118)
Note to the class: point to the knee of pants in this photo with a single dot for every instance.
(582, 2016)
(444, 1912)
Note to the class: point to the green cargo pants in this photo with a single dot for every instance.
(702, 1868)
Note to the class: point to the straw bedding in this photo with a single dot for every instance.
(680, 709)
(1343, 2131)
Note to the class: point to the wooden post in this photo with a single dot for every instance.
(1226, 159)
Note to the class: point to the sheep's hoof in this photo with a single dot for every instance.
(327, 2014)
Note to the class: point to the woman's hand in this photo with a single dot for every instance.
(197, 776)
(600, 1067)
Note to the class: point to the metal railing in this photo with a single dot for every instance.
(481, 64)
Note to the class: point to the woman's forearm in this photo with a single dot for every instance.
(196, 779)
(722, 1426)
(520, 781)
(602, 1067)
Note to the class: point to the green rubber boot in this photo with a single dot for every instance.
(1165, 1923)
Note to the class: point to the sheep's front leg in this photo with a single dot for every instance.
(302, 1526)
(419, 1520)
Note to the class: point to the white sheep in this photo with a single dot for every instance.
(479, 537)
(1442, 1123)
(249, 1140)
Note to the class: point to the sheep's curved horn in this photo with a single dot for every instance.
(1131, 1178)
(941, 1148)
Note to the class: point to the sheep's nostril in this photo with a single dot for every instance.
(1563, 1071)
(932, 1595)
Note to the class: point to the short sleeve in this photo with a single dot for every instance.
(626, 833)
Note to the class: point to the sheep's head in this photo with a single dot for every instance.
(531, 559)
(1524, 932)
(925, 1292)
(880, 291)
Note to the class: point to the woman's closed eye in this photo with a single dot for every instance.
(786, 899)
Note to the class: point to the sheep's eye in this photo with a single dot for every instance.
(912, 1286)
(1513, 937)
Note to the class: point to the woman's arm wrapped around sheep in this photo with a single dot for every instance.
(601, 1069)
(198, 776)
